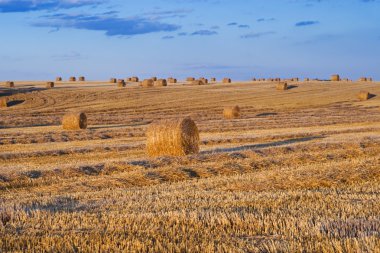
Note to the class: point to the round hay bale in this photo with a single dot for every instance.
(197, 82)
(113, 80)
(129, 79)
(369, 79)
(232, 112)
(213, 79)
(135, 79)
(3, 102)
(226, 80)
(74, 121)
(296, 79)
(363, 95)
(363, 79)
(147, 83)
(58, 79)
(190, 79)
(82, 79)
(335, 78)
(282, 86)
(306, 80)
(121, 83)
(72, 79)
(50, 85)
(178, 137)
(154, 78)
(172, 80)
(9, 84)
(161, 82)
(204, 80)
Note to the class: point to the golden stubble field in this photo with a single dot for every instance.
(298, 172)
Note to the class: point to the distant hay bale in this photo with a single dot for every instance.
(82, 79)
(72, 79)
(296, 79)
(113, 80)
(364, 95)
(121, 83)
(369, 79)
(335, 78)
(205, 80)
(129, 79)
(178, 137)
(58, 79)
(154, 78)
(172, 80)
(49, 85)
(232, 112)
(277, 79)
(10, 84)
(134, 79)
(282, 86)
(190, 79)
(197, 82)
(161, 82)
(254, 79)
(226, 80)
(74, 121)
(213, 79)
(3, 102)
(306, 80)
(363, 79)
(147, 83)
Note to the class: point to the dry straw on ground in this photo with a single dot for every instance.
(72, 79)
(282, 86)
(10, 84)
(174, 137)
(147, 83)
(335, 78)
(113, 80)
(58, 79)
(226, 80)
(74, 121)
(120, 83)
(231, 112)
(364, 95)
(161, 82)
(50, 85)
(3, 102)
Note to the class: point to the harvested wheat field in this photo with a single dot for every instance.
(298, 171)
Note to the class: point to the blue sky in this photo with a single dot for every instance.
(236, 38)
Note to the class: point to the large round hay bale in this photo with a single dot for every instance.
(190, 79)
(295, 79)
(74, 121)
(197, 82)
(72, 79)
(176, 137)
(113, 80)
(213, 79)
(306, 80)
(161, 82)
(154, 78)
(3, 102)
(121, 83)
(204, 80)
(49, 85)
(9, 84)
(147, 83)
(82, 79)
(231, 112)
(363, 95)
(58, 79)
(134, 79)
(172, 80)
(226, 80)
(335, 78)
(282, 86)
(129, 79)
